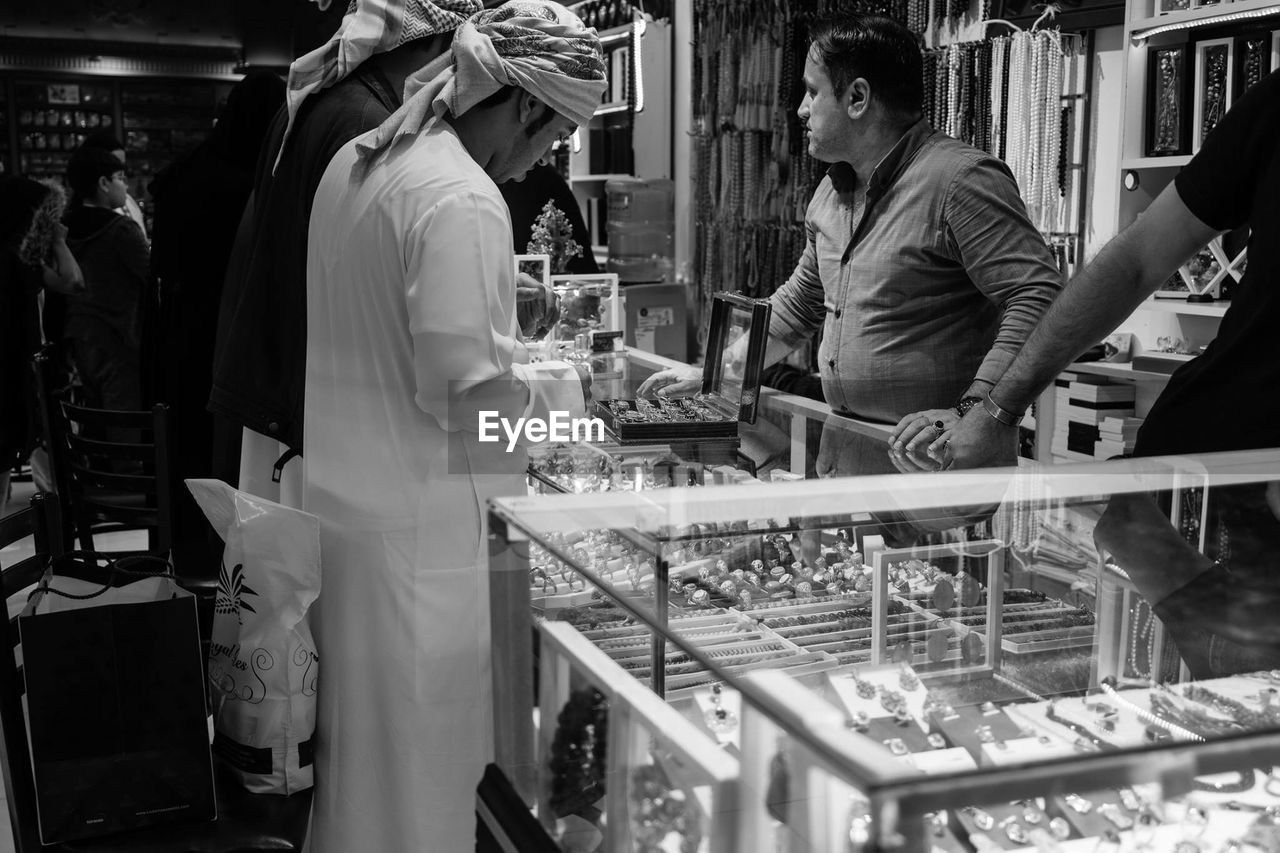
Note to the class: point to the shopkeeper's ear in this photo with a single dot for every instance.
(528, 108)
(104, 186)
(859, 98)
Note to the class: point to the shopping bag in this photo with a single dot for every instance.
(262, 661)
(115, 703)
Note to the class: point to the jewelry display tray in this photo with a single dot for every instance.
(730, 379)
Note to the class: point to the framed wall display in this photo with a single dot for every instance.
(1168, 107)
(1253, 61)
(1213, 86)
(1206, 273)
(1164, 7)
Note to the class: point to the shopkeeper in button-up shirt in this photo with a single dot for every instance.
(921, 266)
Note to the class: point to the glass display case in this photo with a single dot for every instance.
(782, 443)
(1072, 657)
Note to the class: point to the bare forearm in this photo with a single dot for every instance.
(63, 274)
(1092, 305)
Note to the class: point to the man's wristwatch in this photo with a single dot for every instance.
(967, 403)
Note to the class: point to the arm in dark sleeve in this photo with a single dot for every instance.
(1003, 254)
(1219, 183)
(134, 252)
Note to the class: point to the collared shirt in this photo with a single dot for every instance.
(924, 279)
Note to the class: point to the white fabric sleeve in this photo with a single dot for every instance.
(460, 298)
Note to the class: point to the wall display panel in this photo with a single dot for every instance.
(1212, 95)
(1168, 119)
(53, 119)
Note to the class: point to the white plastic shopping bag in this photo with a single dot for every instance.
(263, 665)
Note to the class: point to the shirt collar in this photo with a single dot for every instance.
(890, 165)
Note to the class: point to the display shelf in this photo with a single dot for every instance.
(1179, 306)
(596, 179)
(1117, 371)
(1175, 162)
(1138, 28)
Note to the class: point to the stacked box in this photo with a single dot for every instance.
(1084, 403)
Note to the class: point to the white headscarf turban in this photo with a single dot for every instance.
(539, 46)
(369, 27)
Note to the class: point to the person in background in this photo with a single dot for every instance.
(105, 140)
(33, 254)
(198, 202)
(1220, 612)
(412, 331)
(102, 322)
(525, 199)
(335, 93)
(921, 266)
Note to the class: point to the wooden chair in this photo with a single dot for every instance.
(110, 468)
(247, 823)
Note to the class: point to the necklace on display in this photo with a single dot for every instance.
(1108, 687)
(1083, 731)
(1246, 781)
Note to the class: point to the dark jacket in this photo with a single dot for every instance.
(19, 340)
(199, 199)
(525, 199)
(260, 358)
(114, 258)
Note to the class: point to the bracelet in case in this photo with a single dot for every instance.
(1000, 413)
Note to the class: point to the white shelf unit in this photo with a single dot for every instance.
(649, 102)
(1189, 309)
(1145, 30)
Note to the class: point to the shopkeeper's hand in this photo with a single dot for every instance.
(978, 441)
(672, 382)
(537, 309)
(914, 462)
(917, 431)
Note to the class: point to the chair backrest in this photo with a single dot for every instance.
(111, 468)
(41, 522)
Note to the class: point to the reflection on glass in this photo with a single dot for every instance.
(663, 817)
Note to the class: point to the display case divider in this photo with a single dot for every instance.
(661, 591)
(511, 626)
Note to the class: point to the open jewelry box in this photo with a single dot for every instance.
(736, 341)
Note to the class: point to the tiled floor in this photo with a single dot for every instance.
(122, 541)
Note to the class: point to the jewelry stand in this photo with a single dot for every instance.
(989, 549)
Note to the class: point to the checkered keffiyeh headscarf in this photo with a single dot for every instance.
(369, 27)
(538, 46)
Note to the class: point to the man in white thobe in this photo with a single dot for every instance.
(411, 332)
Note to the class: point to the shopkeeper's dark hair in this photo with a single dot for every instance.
(86, 167)
(880, 50)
